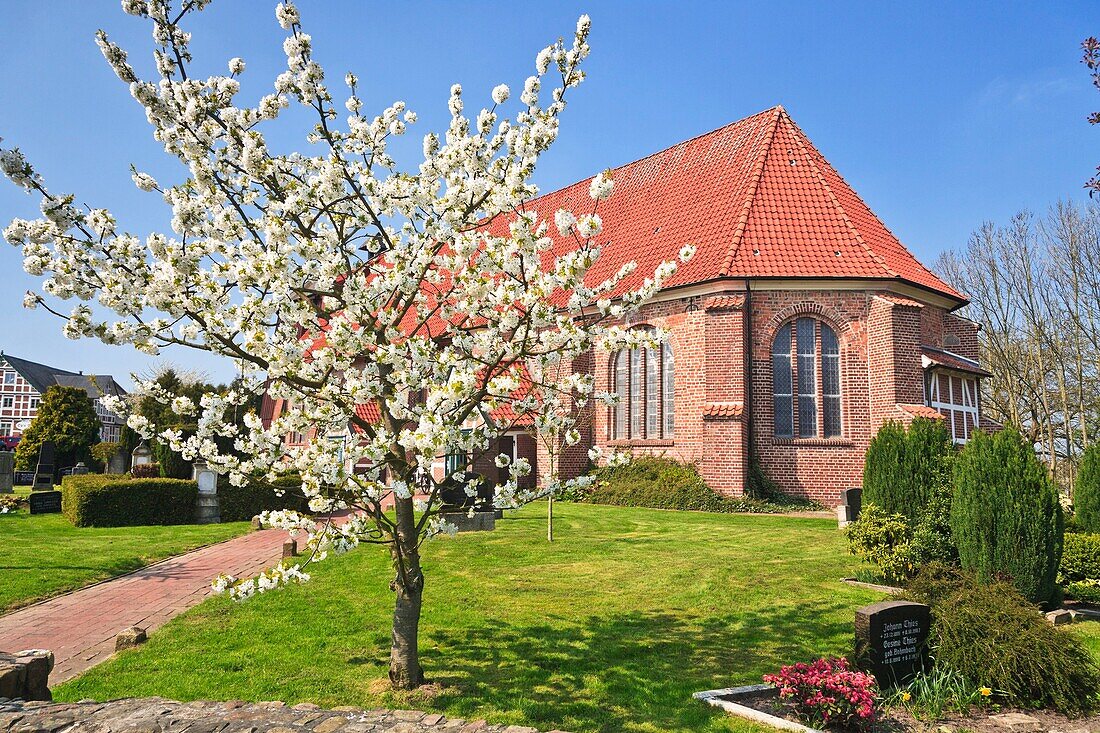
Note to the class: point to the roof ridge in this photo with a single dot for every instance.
(800, 138)
(741, 121)
(881, 223)
(750, 195)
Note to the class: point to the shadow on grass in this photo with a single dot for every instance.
(625, 670)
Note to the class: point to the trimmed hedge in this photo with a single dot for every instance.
(241, 503)
(97, 500)
(992, 636)
(658, 482)
(1080, 558)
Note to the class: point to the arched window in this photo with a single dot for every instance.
(806, 380)
(645, 383)
(620, 381)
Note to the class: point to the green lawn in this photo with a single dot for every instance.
(43, 555)
(612, 627)
(1089, 632)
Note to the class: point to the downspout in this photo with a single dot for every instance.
(748, 411)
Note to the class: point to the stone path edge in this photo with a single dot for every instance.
(154, 713)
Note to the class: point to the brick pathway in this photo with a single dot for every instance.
(80, 627)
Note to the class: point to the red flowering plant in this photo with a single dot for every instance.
(827, 693)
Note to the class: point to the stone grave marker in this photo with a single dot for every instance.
(44, 474)
(207, 506)
(891, 640)
(848, 511)
(45, 502)
(7, 471)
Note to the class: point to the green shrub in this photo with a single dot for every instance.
(992, 636)
(1087, 591)
(932, 540)
(882, 539)
(1005, 517)
(1080, 558)
(241, 503)
(1086, 492)
(903, 467)
(93, 500)
(658, 482)
(900, 548)
(145, 470)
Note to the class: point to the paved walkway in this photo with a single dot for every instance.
(80, 627)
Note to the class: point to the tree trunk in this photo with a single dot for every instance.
(408, 584)
(550, 518)
(405, 671)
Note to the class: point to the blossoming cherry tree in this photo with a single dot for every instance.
(337, 279)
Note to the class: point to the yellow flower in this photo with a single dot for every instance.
(906, 697)
(986, 692)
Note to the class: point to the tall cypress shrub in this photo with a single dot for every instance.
(1005, 517)
(904, 467)
(1086, 492)
(882, 467)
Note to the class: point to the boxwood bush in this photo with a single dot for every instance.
(1080, 558)
(992, 636)
(241, 503)
(659, 482)
(96, 500)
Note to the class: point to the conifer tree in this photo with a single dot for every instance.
(1005, 517)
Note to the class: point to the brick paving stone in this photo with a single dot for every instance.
(80, 627)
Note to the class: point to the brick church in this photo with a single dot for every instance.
(799, 327)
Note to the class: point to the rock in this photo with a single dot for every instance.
(129, 638)
(431, 719)
(290, 549)
(25, 675)
(38, 664)
(1016, 722)
(330, 725)
(256, 523)
(305, 706)
(1060, 617)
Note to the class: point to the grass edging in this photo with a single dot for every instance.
(721, 699)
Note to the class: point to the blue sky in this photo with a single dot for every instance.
(941, 115)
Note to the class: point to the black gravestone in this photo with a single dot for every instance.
(853, 499)
(891, 640)
(44, 475)
(45, 502)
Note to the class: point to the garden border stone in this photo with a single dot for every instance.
(726, 700)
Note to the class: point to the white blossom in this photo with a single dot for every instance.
(337, 278)
(601, 186)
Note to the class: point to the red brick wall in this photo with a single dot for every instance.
(723, 385)
(814, 468)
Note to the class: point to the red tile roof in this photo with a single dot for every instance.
(921, 411)
(940, 358)
(757, 200)
(723, 409)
